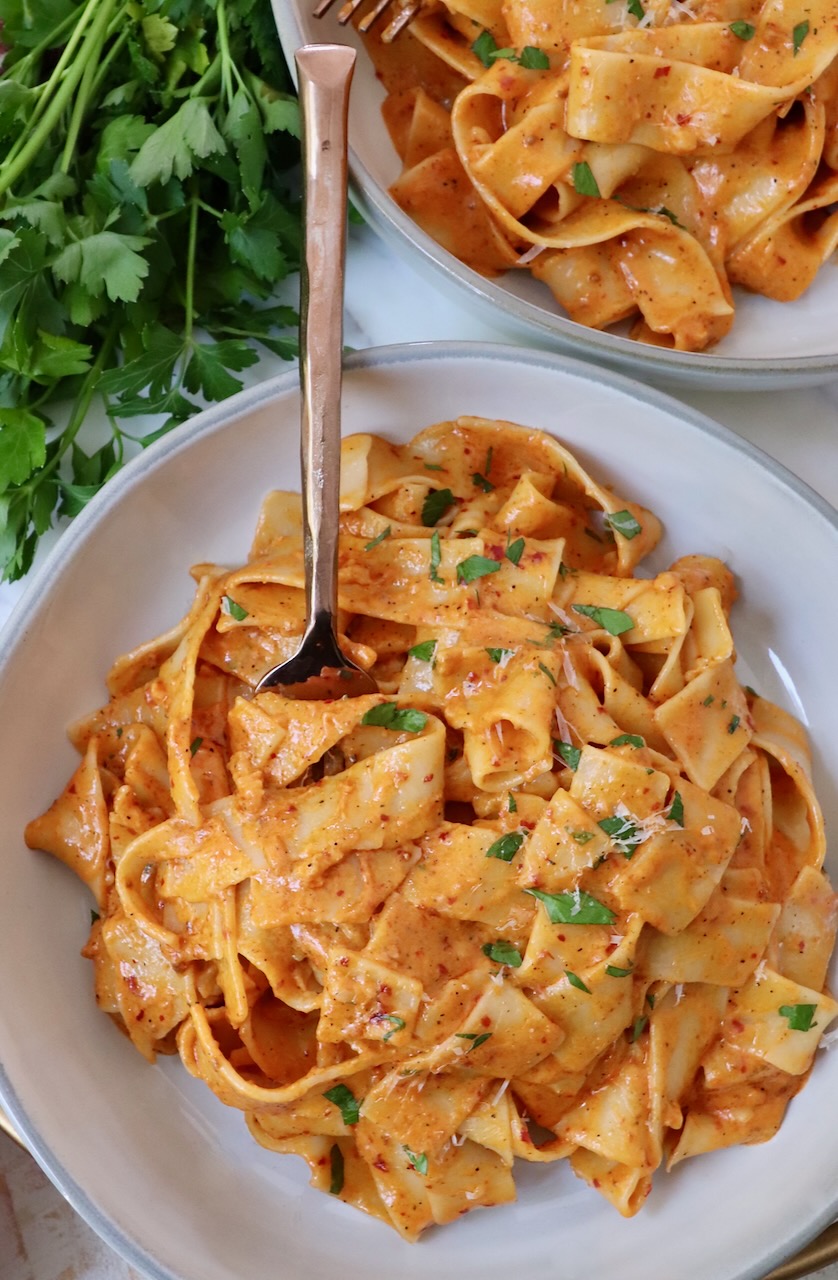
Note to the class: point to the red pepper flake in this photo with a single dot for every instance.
(485, 1021)
(381, 1164)
(662, 71)
(681, 119)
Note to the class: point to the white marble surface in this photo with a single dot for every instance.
(387, 302)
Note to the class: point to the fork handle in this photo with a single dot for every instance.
(324, 76)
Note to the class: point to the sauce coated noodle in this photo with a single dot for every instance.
(556, 893)
(638, 158)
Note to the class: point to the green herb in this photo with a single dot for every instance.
(650, 999)
(512, 805)
(584, 182)
(476, 1040)
(390, 716)
(235, 610)
(195, 745)
(336, 1163)
(709, 700)
(623, 522)
(424, 651)
(573, 908)
(436, 503)
(614, 621)
(385, 533)
(418, 1161)
(576, 981)
(627, 740)
(638, 1027)
(94, 916)
(744, 30)
(346, 1102)
(506, 846)
(503, 953)
(486, 49)
(798, 35)
(514, 550)
(548, 673)
(734, 724)
(676, 809)
(147, 154)
(474, 567)
(614, 971)
(436, 557)
(498, 655)
(636, 9)
(570, 755)
(623, 833)
(482, 482)
(399, 1024)
(752, 693)
(581, 837)
(800, 1016)
(433, 466)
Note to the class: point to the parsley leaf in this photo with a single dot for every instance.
(676, 809)
(577, 907)
(424, 651)
(800, 1016)
(576, 981)
(437, 502)
(390, 716)
(418, 1160)
(744, 30)
(570, 755)
(482, 482)
(623, 833)
(476, 1040)
(336, 1170)
(627, 740)
(798, 35)
(503, 953)
(514, 550)
(379, 538)
(474, 567)
(584, 182)
(233, 608)
(436, 557)
(506, 846)
(614, 621)
(623, 522)
(500, 655)
(346, 1102)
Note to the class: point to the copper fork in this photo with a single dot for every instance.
(347, 11)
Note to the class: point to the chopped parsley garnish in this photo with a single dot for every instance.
(638, 1027)
(800, 1016)
(385, 533)
(584, 182)
(346, 1102)
(798, 35)
(624, 834)
(576, 981)
(474, 567)
(734, 724)
(503, 953)
(336, 1163)
(390, 716)
(614, 971)
(676, 809)
(418, 1160)
(436, 557)
(709, 700)
(436, 503)
(581, 837)
(573, 908)
(233, 608)
(506, 847)
(424, 651)
(650, 999)
(498, 655)
(570, 755)
(399, 1024)
(482, 482)
(195, 745)
(627, 740)
(514, 550)
(548, 673)
(531, 58)
(636, 9)
(614, 621)
(744, 30)
(433, 466)
(476, 1040)
(512, 806)
(623, 522)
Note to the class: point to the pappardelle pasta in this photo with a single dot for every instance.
(639, 158)
(555, 893)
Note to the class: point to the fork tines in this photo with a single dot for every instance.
(351, 7)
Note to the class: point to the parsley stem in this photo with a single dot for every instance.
(224, 46)
(16, 164)
(92, 60)
(52, 41)
(116, 48)
(189, 299)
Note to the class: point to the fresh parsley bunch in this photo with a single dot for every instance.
(147, 213)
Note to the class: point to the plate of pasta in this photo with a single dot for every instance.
(650, 183)
(522, 963)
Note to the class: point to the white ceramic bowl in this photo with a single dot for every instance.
(772, 345)
(159, 1167)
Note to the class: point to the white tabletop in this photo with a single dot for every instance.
(386, 302)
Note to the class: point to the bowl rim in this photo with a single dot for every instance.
(218, 418)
